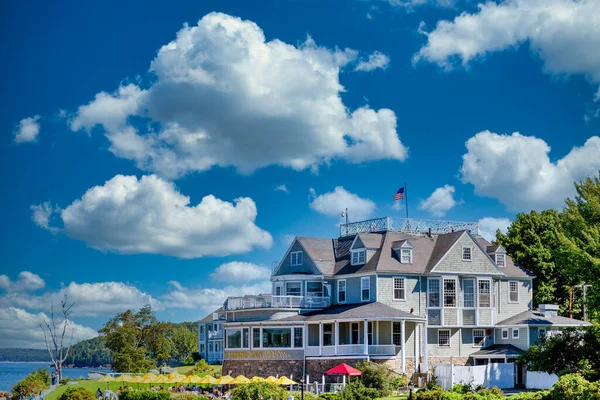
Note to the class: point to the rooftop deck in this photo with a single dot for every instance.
(270, 301)
(408, 225)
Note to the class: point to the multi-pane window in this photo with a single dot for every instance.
(484, 293)
(399, 289)
(449, 292)
(234, 338)
(433, 292)
(505, 333)
(444, 337)
(246, 337)
(541, 333)
(256, 338)
(296, 258)
(513, 291)
(515, 333)
(406, 256)
(365, 288)
(397, 334)
(298, 337)
(466, 253)
(500, 260)
(468, 293)
(277, 290)
(314, 289)
(358, 257)
(277, 337)
(342, 291)
(478, 337)
(293, 288)
(201, 330)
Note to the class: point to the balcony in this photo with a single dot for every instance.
(269, 301)
(353, 350)
(407, 225)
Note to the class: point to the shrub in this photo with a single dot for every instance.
(185, 396)
(33, 383)
(461, 388)
(200, 367)
(329, 396)
(544, 395)
(356, 390)
(307, 396)
(570, 386)
(144, 395)
(258, 390)
(493, 392)
(400, 381)
(378, 377)
(77, 393)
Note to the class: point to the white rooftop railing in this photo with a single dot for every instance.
(269, 301)
(407, 225)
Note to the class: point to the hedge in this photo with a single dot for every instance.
(144, 395)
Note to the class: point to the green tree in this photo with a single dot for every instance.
(579, 237)
(33, 383)
(137, 340)
(532, 241)
(185, 342)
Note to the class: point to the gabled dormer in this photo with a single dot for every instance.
(498, 254)
(363, 247)
(403, 251)
(297, 260)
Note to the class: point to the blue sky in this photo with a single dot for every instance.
(355, 95)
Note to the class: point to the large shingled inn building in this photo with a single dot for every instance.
(403, 292)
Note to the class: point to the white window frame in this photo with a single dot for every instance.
(474, 281)
(483, 336)
(513, 333)
(449, 338)
(505, 330)
(358, 254)
(345, 291)
(294, 260)
(479, 293)
(439, 292)
(510, 291)
(410, 256)
(403, 280)
(456, 292)
(540, 330)
(285, 288)
(470, 253)
(363, 279)
(498, 257)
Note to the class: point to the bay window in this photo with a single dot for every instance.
(484, 293)
(433, 293)
(450, 292)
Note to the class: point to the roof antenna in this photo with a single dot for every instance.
(345, 214)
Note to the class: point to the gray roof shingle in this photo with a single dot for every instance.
(510, 269)
(498, 350)
(354, 311)
(537, 318)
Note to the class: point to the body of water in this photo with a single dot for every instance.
(11, 373)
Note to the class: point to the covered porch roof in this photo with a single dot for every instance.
(498, 351)
(371, 311)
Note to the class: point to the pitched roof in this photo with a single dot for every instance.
(354, 311)
(510, 269)
(209, 317)
(442, 245)
(371, 240)
(498, 350)
(492, 249)
(321, 252)
(537, 318)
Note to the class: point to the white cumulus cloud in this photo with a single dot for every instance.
(225, 96)
(20, 329)
(27, 130)
(377, 60)
(440, 201)
(489, 225)
(333, 203)
(27, 281)
(516, 169)
(237, 271)
(565, 34)
(41, 214)
(281, 188)
(150, 215)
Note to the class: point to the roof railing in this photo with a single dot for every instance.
(407, 225)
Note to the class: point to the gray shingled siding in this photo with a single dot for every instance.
(307, 265)
(385, 332)
(450, 316)
(507, 309)
(385, 287)
(485, 317)
(521, 342)
(466, 345)
(453, 263)
(353, 290)
(409, 330)
(434, 350)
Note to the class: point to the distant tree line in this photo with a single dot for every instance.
(562, 249)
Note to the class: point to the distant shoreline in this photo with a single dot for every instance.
(25, 362)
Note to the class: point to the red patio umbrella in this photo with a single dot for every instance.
(343, 369)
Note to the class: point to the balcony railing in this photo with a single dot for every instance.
(353, 350)
(268, 301)
(215, 334)
(408, 225)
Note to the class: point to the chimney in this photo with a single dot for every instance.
(549, 310)
(429, 232)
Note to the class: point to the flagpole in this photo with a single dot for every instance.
(406, 199)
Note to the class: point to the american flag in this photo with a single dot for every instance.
(399, 194)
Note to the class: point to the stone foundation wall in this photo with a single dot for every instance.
(395, 364)
(252, 368)
(456, 361)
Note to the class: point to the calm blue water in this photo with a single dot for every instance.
(11, 373)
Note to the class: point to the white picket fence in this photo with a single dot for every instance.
(540, 380)
(500, 375)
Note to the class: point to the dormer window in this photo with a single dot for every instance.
(359, 257)
(296, 258)
(500, 259)
(406, 256)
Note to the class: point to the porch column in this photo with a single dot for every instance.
(365, 337)
(402, 331)
(320, 338)
(377, 335)
(336, 336)
(425, 355)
